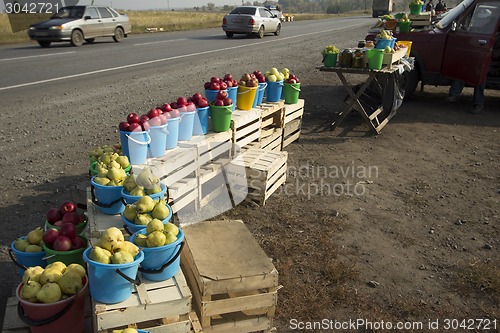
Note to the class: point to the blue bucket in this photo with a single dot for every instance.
(158, 140)
(124, 142)
(107, 198)
(137, 145)
(259, 96)
(24, 260)
(383, 43)
(132, 228)
(273, 91)
(200, 125)
(210, 94)
(112, 283)
(130, 199)
(232, 92)
(186, 125)
(163, 262)
(172, 133)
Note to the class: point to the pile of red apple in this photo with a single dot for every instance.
(183, 105)
(292, 78)
(218, 83)
(198, 100)
(222, 99)
(259, 76)
(66, 238)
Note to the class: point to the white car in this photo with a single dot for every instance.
(77, 24)
(251, 20)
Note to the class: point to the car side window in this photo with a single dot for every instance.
(263, 12)
(92, 12)
(104, 12)
(483, 19)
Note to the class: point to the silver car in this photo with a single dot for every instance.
(77, 24)
(251, 20)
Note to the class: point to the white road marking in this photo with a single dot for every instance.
(161, 41)
(273, 40)
(37, 56)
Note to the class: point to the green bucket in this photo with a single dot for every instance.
(291, 91)
(415, 9)
(330, 59)
(67, 257)
(375, 58)
(404, 26)
(221, 117)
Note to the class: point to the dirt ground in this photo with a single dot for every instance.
(398, 227)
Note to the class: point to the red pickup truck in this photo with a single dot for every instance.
(463, 44)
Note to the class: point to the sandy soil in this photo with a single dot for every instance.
(402, 226)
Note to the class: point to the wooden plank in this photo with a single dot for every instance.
(291, 127)
(287, 141)
(293, 111)
(237, 322)
(258, 301)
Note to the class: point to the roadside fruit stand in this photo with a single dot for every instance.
(144, 251)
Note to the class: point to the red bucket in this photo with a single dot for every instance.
(63, 316)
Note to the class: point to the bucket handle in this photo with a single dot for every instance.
(264, 86)
(135, 281)
(36, 323)
(140, 142)
(21, 266)
(294, 87)
(246, 91)
(97, 203)
(168, 263)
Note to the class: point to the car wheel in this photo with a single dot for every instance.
(278, 30)
(260, 33)
(44, 44)
(76, 38)
(119, 35)
(90, 40)
(229, 34)
(410, 81)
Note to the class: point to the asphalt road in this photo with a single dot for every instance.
(29, 66)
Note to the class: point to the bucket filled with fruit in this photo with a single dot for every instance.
(27, 251)
(247, 89)
(112, 263)
(135, 138)
(220, 111)
(200, 125)
(291, 89)
(66, 212)
(274, 89)
(259, 96)
(162, 245)
(64, 244)
(137, 215)
(52, 299)
(137, 186)
(106, 190)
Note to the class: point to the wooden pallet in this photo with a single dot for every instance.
(175, 165)
(293, 123)
(265, 173)
(421, 20)
(234, 284)
(157, 306)
(245, 126)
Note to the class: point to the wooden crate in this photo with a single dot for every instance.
(212, 181)
(176, 164)
(292, 123)
(233, 282)
(421, 20)
(393, 58)
(271, 117)
(265, 172)
(210, 147)
(271, 142)
(184, 194)
(157, 306)
(245, 126)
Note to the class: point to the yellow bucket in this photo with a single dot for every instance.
(245, 98)
(406, 43)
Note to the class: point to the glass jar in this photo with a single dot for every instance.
(346, 58)
(361, 44)
(357, 59)
(369, 44)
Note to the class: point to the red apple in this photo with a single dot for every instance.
(174, 105)
(228, 77)
(154, 112)
(202, 103)
(67, 207)
(228, 101)
(215, 79)
(222, 94)
(196, 97)
(68, 229)
(133, 118)
(207, 85)
(223, 85)
(53, 215)
(181, 101)
(190, 107)
(156, 121)
(72, 217)
(219, 102)
(123, 126)
(229, 84)
(174, 113)
(50, 235)
(215, 86)
(58, 223)
(144, 124)
(135, 127)
(166, 107)
(78, 242)
(167, 115)
(62, 243)
(235, 83)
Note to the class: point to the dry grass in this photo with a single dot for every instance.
(480, 278)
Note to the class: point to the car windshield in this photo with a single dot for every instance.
(70, 12)
(453, 14)
(244, 11)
